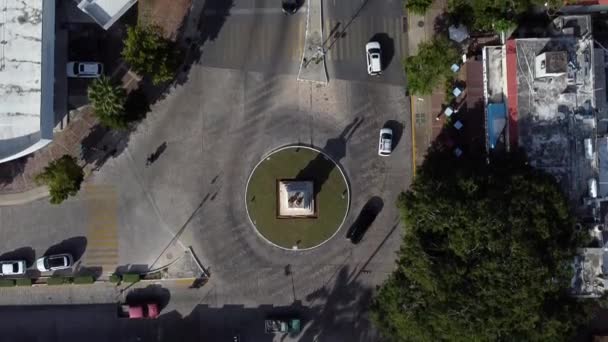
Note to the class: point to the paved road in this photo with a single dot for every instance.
(232, 110)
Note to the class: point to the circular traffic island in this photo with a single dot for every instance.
(297, 198)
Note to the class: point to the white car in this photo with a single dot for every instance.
(84, 69)
(373, 53)
(54, 262)
(386, 142)
(14, 267)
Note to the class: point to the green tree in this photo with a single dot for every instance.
(149, 53)
(418, 6)
(486, 256)
(63, 177)
(431, 66)
(492, 15)
(108, 102)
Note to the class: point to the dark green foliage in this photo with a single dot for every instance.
(131, 277)
(63, 177)
(149, 53)
(7, 282)
(58, 280)
(108, 102)
(115, 278)
(24, 282)
(418, 6)
(492, 15)
(486, 256)
(431, 66)
(87, 279)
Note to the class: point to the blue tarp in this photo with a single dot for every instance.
(497, 120)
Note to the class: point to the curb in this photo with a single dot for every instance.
(24, 197)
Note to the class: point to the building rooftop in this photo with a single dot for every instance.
(106, 12)
(23, 125)
(556, 113)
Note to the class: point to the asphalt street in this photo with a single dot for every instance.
(239, 102)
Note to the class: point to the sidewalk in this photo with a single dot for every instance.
(17, 183)
(424, 109)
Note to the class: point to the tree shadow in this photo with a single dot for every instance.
(101, 144)
(150, 294)
(24, 253)
(75, 246)
(210, 20)
(387, 46)
(11, 170)
(321, 167)
(397, 128)
(366, 217)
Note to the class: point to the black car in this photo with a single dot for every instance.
(290, 6)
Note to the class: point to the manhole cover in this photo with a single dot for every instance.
(421, 23)
(169, 256)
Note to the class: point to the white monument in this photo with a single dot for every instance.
(296, 199)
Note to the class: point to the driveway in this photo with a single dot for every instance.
(208, 134)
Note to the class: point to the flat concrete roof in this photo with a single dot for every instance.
(21, 76)
(106, 12)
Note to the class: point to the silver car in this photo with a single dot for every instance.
(385, 146)
(13, 267)
(84, 69)
(54, 262)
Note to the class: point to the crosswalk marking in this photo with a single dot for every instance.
(102, 230)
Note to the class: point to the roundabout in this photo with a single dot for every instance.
(297, 198)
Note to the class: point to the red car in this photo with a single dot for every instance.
(141, 311)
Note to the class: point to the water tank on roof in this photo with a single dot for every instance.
(592, 184)
(588, 148)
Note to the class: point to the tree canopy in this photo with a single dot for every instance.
(486, 256)
(63, 177)
(149, 53)
(108, 101)
(494, 15)
(431, 66)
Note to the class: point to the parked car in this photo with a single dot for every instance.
(13, 267)
(280, 326)
(373, 52)
(385, 145)
(84, 69)
(54, 262)
(149, 310)
(289, 6)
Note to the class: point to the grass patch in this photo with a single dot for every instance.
(115, 279)
(331, 198)
(24, 282)
(87, 279)
(7, 282)
(131, 277)
(58, 281)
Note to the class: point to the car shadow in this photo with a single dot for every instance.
(366, 217)
(74, 246)
(387, 45)
(24, 253)
(397, 128)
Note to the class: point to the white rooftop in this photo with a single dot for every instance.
(105, 12)
(20, 75)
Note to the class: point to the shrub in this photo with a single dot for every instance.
(115, 278)
(87, 279)
(108, 100)
(63, 177)
(7, 282)
(131, 277)
(58, 280)
(24, 282)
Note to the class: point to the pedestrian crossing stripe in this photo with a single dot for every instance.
(102, 230)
